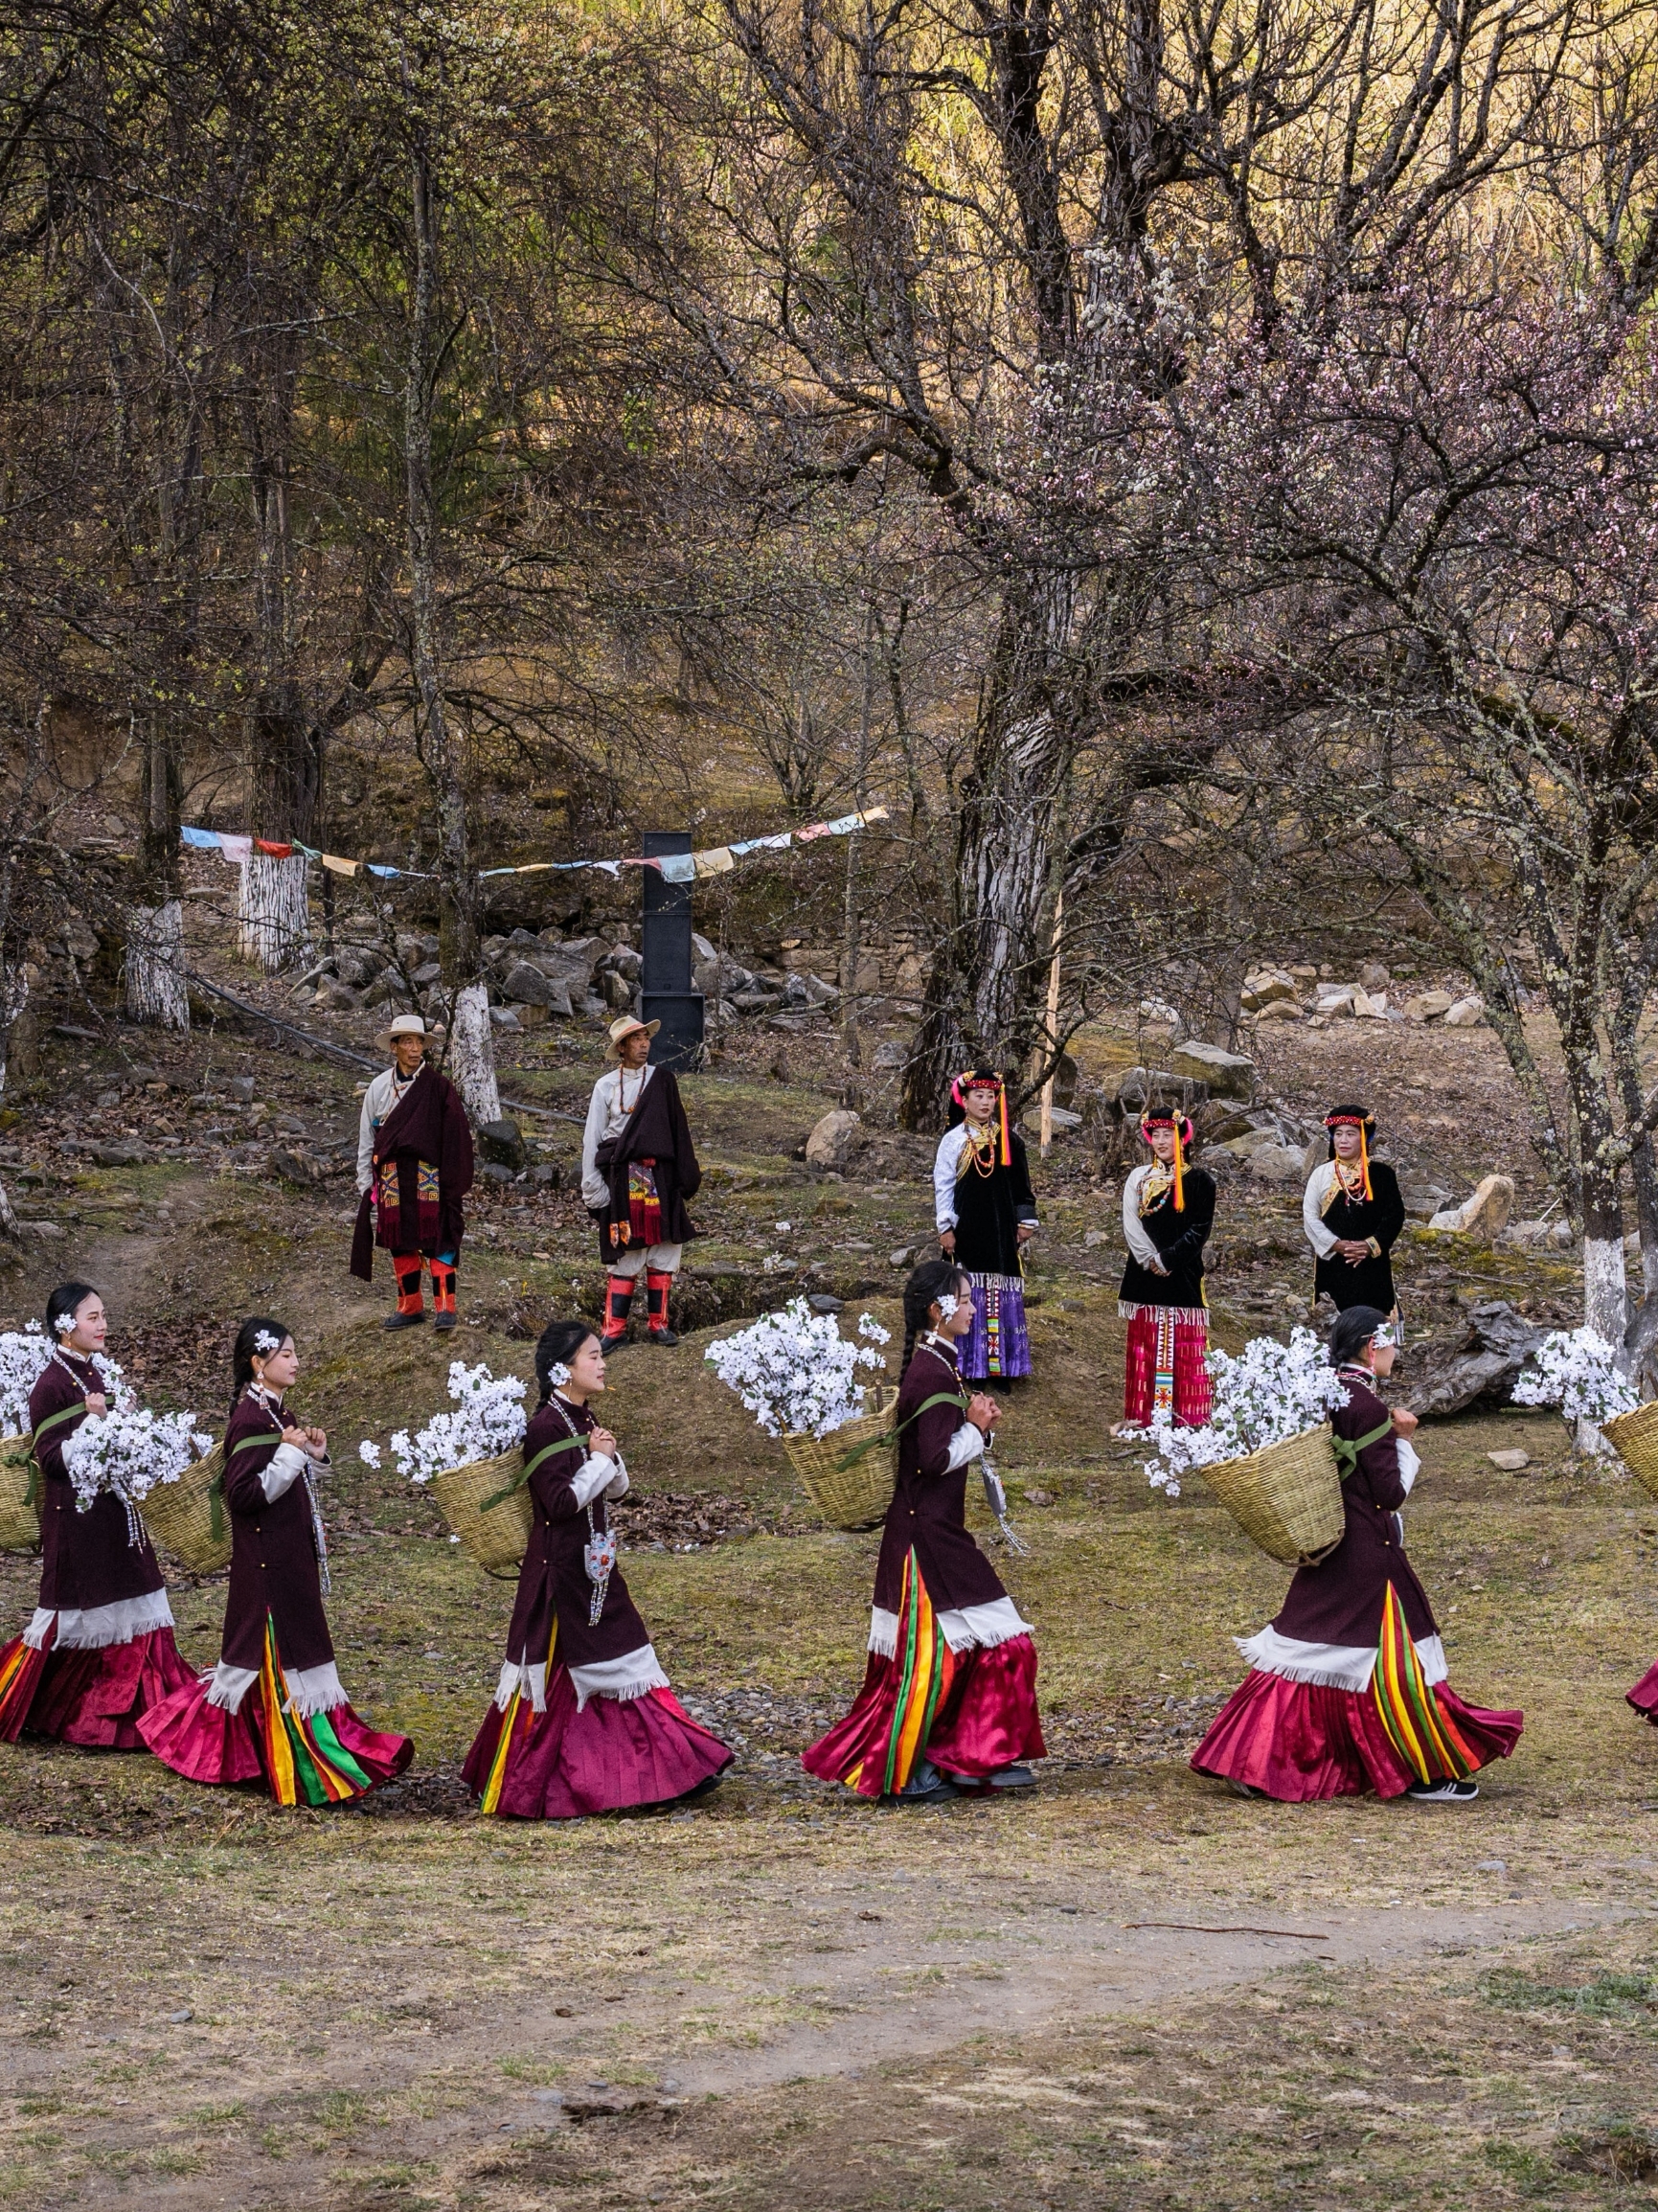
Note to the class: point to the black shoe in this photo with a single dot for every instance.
(662, 1336)
(706, 1788)
(609, 1344)
(1443, 1793)
(448, 1320)
(927, 1785)
(1011, 1778)
(402, 1320)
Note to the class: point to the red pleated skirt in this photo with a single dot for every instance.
(324, 1759)
(616, 1754)
(94, 1698)
(1180, 1340)
(1644, 1697)
(984, 1718)
(1303, 1740)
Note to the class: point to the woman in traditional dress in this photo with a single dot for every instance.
(99, 1654)
(1168, 1212)
(584, 1718)
(987, 1214)
(1352, 1214)
(274, 1709)
(950, 1698)
(1346, 1690)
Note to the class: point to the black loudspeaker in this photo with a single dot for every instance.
(666, 995)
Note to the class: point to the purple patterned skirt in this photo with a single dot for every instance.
(998, 1344)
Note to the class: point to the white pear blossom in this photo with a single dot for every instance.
(131, 1450)
(23, 1353)
(487, 1420)
(1577, 1370)
(369, 1452)
(795, 1371)
(1268, 1394)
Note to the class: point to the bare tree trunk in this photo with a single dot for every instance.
(273, 911)
(472, 1046)
(851, 914)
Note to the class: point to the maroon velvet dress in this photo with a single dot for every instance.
(1347, 1689)
(274, 1709)
(952, 1668)
(100, 1653)
(583, 1719)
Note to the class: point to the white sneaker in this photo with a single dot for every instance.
(1443, 1793)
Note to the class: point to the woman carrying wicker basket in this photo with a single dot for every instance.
(950, 1698)
(99, 1654)
(1346, 1690)
(274, 1709)
(584, 1718)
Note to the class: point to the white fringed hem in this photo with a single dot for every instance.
(632, 1676)
(315, 1690)
(1194, 1318)
(96, 1628)
(1330, 1666)
(522, 1681)
(964, 1628)
(230, 1685)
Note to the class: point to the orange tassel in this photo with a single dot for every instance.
(1007, 1147)
(1364, 1161)
(1179, 1180)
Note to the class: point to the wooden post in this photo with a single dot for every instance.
(1053, 1026)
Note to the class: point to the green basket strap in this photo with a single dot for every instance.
(891, 1435)
(31, 1495)
(547, 1451)
(1348, 1448)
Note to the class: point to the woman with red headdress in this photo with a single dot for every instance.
(1352, 1214)
(987, 1214)
(1168, 1212)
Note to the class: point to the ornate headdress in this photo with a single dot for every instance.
(1363, 1121)
(1170, 1118)
(982, 1079)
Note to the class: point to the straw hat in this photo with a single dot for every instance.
(624, 1025)
(407, 1025)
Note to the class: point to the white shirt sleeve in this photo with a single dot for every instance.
(365, 1135)
(967, 1444)
(618, 1486)
(593, 1474)
(595, 1190)
(1133, 1230)
(945, 1161)
(285, 1466)
(1322, 1240)
(1410, 1465)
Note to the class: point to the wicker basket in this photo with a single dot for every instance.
(1286, 1498)
(1634, 1437)
(855, 1497)
(188, 1517)
(19, 1514)
(496, 1539)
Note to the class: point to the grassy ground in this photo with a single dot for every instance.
(1132, 1990)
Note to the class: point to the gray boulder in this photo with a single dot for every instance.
(503, 1142)
(1228, 1074)
(1477, 1363)
(834, 1139)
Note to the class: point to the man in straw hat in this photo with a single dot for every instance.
(1168, 1212)
(1352, 1212)
(413, 1169)
(638, 1167)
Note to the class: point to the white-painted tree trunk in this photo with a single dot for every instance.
(472, 1054)
(1605, 1288)
(13, 999)
(155, 986)
(272, 912)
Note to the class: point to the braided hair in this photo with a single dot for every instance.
(932, 1280)
(249, 1341)
(559, 1345)
(1352, 1332)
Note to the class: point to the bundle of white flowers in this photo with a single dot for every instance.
(23, 1353)
(129, 1451)
(1268, 1394)
(488, 1420)
(794, 1370)
(1575, 1370)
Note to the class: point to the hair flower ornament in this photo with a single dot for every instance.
(64, 1324)
(558, 1375)
(947, 1302)
(264, 1343)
